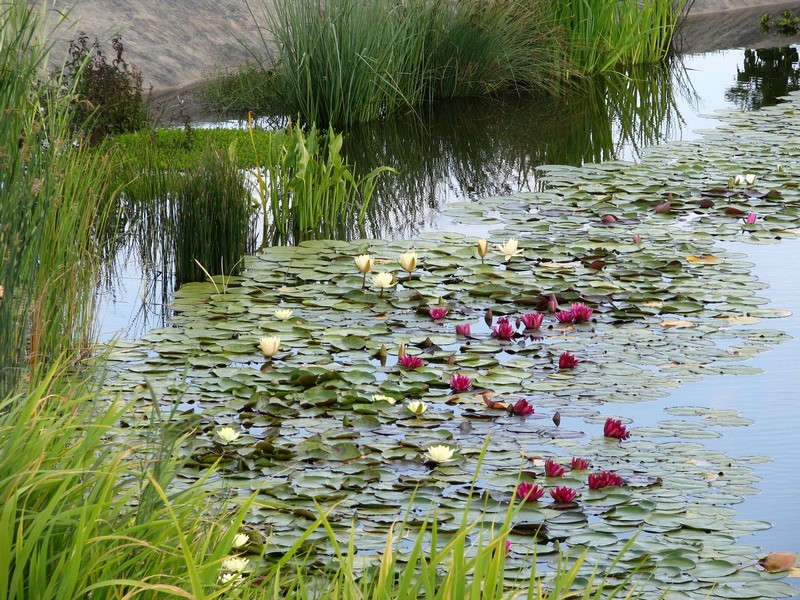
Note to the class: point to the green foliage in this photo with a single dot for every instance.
(54, 211)
(307, 190)
(107, 97)
(787, 24)
(604, 36)
(212, 217)
(348, 61)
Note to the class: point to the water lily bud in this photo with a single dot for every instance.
(408, 260)
(364, 263)
(402, 351)
(483, 247)
(269, 346)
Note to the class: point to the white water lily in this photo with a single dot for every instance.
(234, 564)
(747, 179)
(269, 346)
(364, 263)
(240, 540)
(227, 434)
(383, 280)
(408, 260)
(230, 578)
(381, 397)
(440, 453)
(509, 249)
(416, 407)
(284, 314)
(483, 248)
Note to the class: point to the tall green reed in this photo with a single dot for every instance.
(55, 211)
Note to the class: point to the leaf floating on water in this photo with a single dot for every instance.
(704, 259)
(672, 323)
(778, 561)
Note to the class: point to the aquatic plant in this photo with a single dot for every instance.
(528, 492)
(567, 361)
(614, 428)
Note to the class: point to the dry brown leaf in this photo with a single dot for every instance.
(677, 323)
(778, 561)
(704, 259)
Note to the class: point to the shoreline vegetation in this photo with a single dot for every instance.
(92, 502)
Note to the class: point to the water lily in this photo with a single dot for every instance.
(483, 248)
(527, 492)
(509, 249)
(564, 316)
(438, 312)
(240, 540)
(508, 546)
(408, 260)
(464, 329)
(553, 469)
(440, 453)
(230, 578)
(615, 429)
(227, 434)
(383, 280)
(746, 179)
(604, 479)
(521, 408)
(234, 564)
(637, 239)
(416, 407)
(552, 303)
(532, 320)
(410, 362)
(383, 398)
(562, 493)
(284, 314)
(460, 383)
(269, 346)
(578, 464)
(364, 266)
(567, 361)
(751, 219)
(580, 312)
(504, 330)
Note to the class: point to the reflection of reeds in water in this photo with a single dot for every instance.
(487, 147)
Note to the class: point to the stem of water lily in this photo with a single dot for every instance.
(364, 282)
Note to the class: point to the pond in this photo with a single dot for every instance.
(457, 159)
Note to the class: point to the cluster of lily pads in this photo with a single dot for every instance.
(395, 405)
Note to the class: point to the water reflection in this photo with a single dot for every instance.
(765, 76)
(473, 148)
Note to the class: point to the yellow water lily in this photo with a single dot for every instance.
(483, 248)
(416, 407)
(269, 346)
(381, 397)
(383, 280)
(240, 540)
(440, 453)
(284, 314)
(227, 434)
(509, 249)
(408, 260)
(364, 263)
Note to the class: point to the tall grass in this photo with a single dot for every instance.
(348, 61)
(54, 213)
(607, 35)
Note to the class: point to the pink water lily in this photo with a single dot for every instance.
(751, 219)
(562, 493)
(564, 316)
(580, 312)
(567, 361)
(604, 479)
(527, 492)
(532, 320)
(504, 330)
(438, 312)
(464, 329)
(553, 469)
(615, 429)
(552, 303)
(460, 383)
(410, 362)
(521, 408)
(579, 464)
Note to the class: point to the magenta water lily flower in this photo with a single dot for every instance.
(527, 492)
(532, 320)
(464, 329)
(567, 361)
(615, 429)
(504, 330)
(579, 464)
(521, 408)
(508, 546)
(564, 316)
(751, 219)
(460, 383)
(410, 362)
(604, 479)
(438, 312)
(562, 493)
(580, 312)
(553, 469)
(637, 239)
